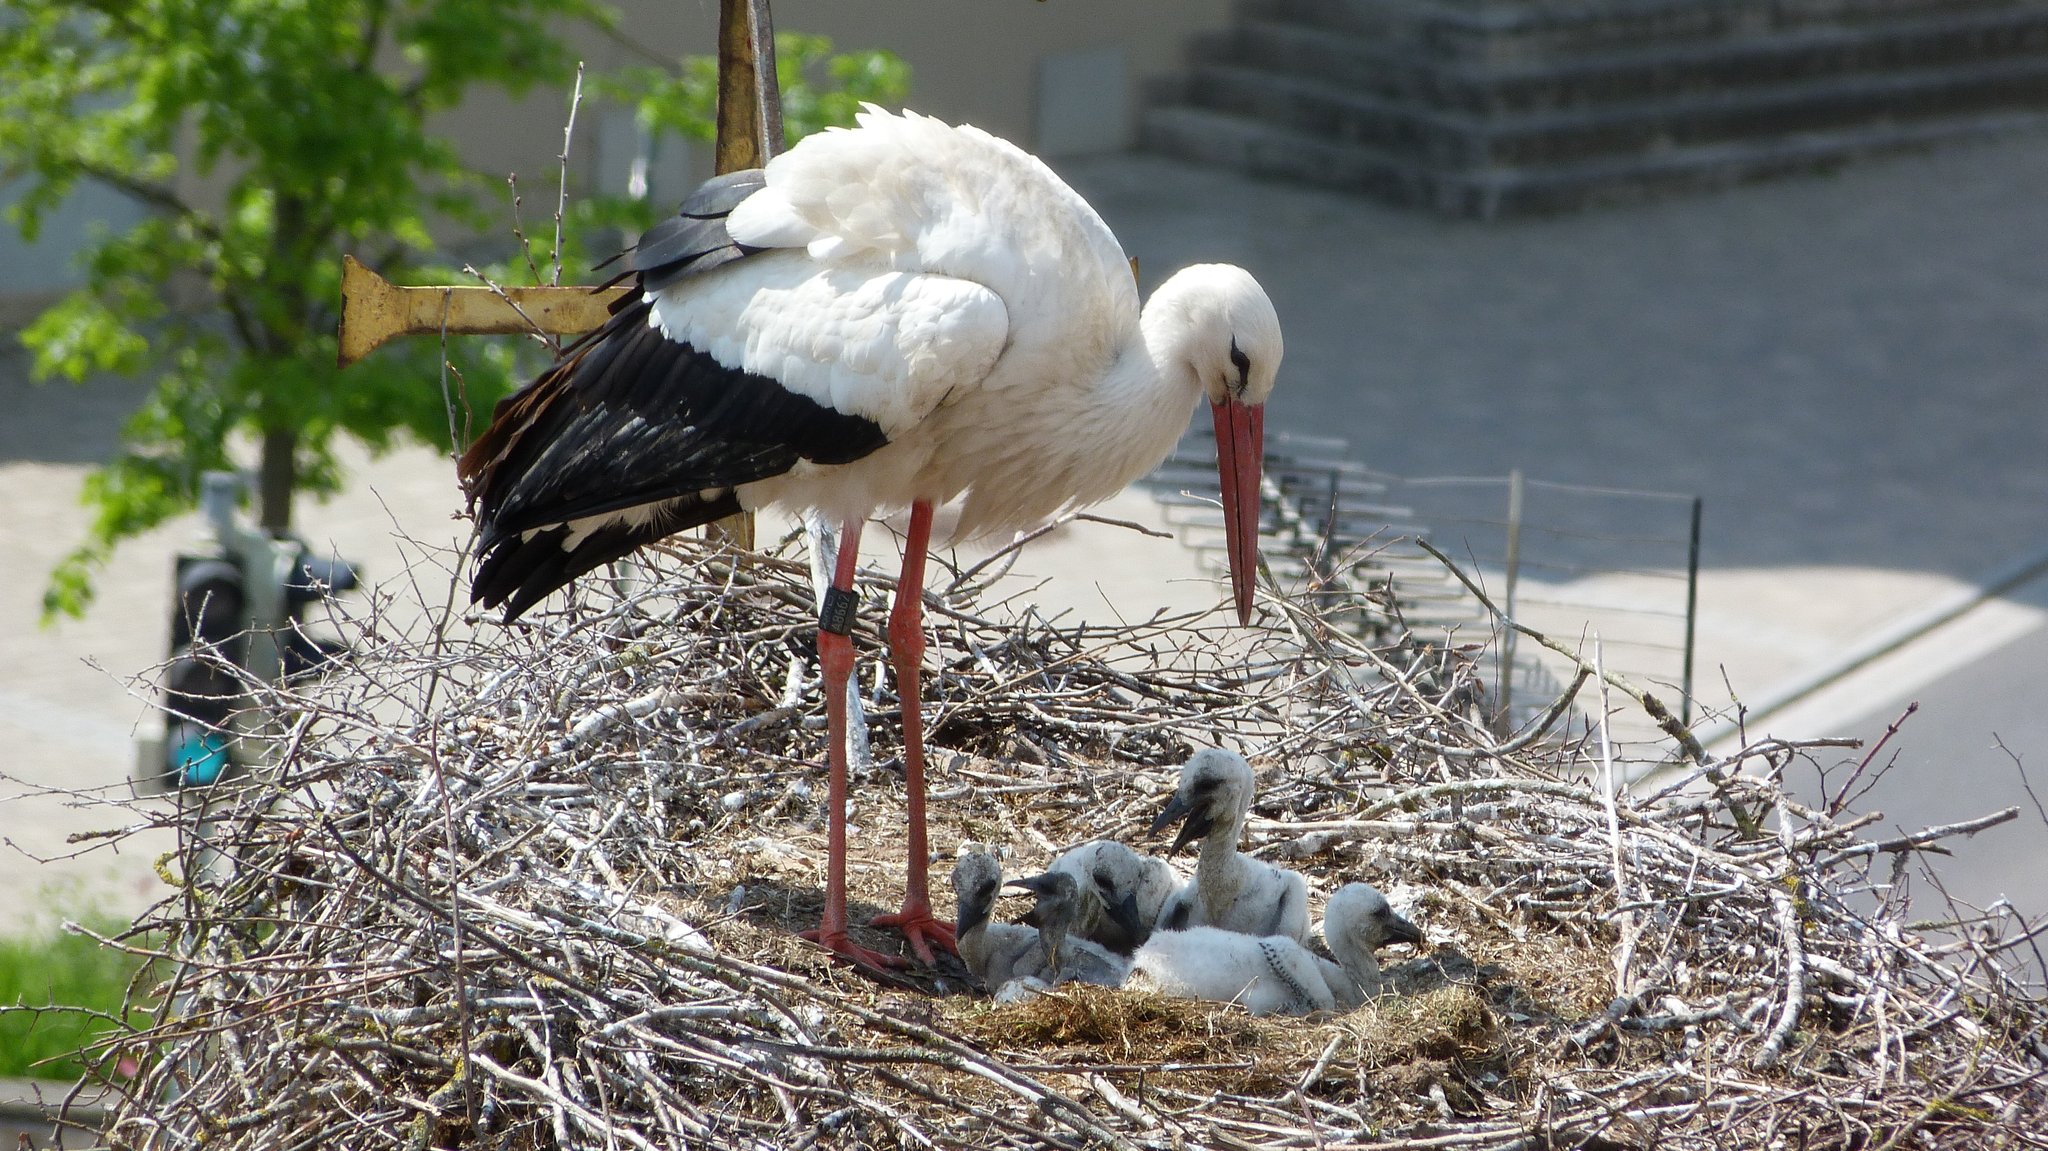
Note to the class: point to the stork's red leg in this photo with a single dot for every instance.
(906, 651)
(835, 661)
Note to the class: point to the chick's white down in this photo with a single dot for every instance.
(1230, 890)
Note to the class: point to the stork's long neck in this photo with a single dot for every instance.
(1169, 331)
(1219, 869)
(1147, 396)
(1358, 962)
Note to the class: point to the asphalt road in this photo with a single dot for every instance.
(1976, 743)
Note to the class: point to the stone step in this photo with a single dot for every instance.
(1639, 72)
(1503, 31)
(1461, 139)
(1262, 148)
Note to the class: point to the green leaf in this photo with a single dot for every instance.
(80, 335)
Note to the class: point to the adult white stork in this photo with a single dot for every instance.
(895, 314)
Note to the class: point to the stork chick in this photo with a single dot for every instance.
(999, 953)
(1230, 890)
(1269, 975)
(1357, 922)
(1120, 892)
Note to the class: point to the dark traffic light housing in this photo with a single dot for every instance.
(236, 622)
(209, 633)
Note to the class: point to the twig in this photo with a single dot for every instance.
(1924, 836)
(562, 182)
(1794, 953)
(622, 800)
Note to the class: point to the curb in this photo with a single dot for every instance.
(32, 1103)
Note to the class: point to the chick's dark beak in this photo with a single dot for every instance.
(1195, 824)
(1124, 914)
(969, 918)
(1175, 809)
(1039, 885)
(1400, 930)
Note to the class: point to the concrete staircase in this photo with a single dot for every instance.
(1499, 107)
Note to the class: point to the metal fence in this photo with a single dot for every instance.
(1582, 564)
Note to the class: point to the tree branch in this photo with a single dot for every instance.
(155, 195)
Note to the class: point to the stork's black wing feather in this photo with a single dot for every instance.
(695, 240)
(635, 434)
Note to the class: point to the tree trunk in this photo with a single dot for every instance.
(278, 476)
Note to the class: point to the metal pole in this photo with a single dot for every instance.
(749, 135)
(1692, 609)
(749, 102)
(1503, 719)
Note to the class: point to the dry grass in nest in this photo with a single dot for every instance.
(1098, 1024)
(537, 887)
(1448, 1023)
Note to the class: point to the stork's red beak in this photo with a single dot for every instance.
(1240, 460)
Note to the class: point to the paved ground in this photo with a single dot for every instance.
(1847, 368)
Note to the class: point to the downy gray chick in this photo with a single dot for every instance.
(1121, 892)
(999, 953)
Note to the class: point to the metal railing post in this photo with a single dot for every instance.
(1692, 611)
(1504, 720)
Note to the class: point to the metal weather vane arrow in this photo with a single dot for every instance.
(375, 311)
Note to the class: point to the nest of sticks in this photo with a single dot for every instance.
(537, 887)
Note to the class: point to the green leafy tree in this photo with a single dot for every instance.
(309, 125)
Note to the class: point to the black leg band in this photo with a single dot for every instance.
(836, 613)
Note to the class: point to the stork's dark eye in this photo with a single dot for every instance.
(1238, 359)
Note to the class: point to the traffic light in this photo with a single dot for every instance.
(209, 635)
(313, 578)
(237, 620)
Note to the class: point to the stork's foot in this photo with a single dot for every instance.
(923, 931)
(842, 946)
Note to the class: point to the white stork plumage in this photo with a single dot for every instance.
(896, 314)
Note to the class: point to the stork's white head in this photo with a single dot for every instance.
(1361, 918)
(1214, 794)
(1229, 332)
(1221, 325)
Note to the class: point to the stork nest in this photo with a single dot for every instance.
(537, 887)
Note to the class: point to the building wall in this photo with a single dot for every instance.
(1061, 77)
(975, 60)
